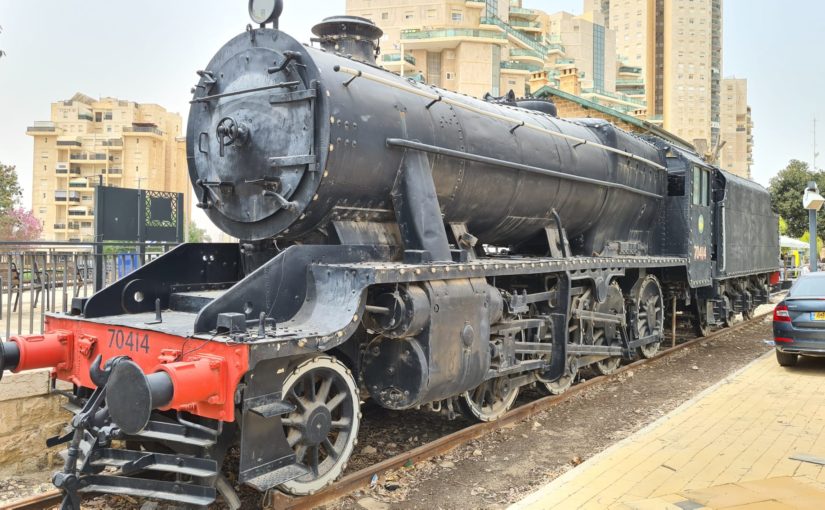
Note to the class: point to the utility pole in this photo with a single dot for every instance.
(815, 153)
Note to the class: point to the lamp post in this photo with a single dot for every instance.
(812, 201)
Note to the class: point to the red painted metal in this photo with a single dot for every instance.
(48, 350)
(205, 372)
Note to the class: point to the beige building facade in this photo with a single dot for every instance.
(494, 46)
(108, 141)
(736, 126)
(676, 46)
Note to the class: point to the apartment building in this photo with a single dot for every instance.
(108, 141)
(672, 49)
(736, 127)
(476, 47)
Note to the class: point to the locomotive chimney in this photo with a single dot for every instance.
(350, 36)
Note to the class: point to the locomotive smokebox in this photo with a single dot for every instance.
(349, 36)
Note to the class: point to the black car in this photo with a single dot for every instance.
(799, 320)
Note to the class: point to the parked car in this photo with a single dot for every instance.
(799, 320)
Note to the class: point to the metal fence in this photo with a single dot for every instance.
(40, 277)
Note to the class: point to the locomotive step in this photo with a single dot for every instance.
(161, 431)
(145, 488)
(277, 477)
(130, 462)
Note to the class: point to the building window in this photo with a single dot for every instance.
(457, 16)
(432, 13)
(385, 16)
(42, 210)
(408, 15)
(450, 76)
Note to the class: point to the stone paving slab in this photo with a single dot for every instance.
(741, 430)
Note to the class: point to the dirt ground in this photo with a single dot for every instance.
(503, 467)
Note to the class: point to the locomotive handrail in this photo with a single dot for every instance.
(430, 95)
(434, 149)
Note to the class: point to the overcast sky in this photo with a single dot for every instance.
(148, 51)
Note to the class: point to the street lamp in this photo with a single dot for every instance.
(812, 201)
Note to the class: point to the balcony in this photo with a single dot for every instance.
(521, 12)
(630, 70)
(115, 142)
(611, 97)
(477, 4)
(42, 127)
(79, 211)
(68, 143)
(520, 66)
(60, 226)
(85, 116)
(434, 40)
(526, 26)
(151, 129)
(533, 56)
(392, 62)
(79, 183)
(66, 196)
(114, 171)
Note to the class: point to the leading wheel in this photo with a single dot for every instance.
(323, 428)
(490, 400)
(564, 382)
(650, 315)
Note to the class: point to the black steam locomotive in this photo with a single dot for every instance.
(398, 242)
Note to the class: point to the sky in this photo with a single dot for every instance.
(148, 51)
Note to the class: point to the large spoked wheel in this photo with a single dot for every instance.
(490, 400)
(323, 428)
(650, 315)
(564, 382)
(608, 333)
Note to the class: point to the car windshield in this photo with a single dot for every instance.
(812, 286)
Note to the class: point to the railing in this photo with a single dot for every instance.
(519, 52)
(113, 143)
(59, 170)
(74, 143)
(84, 116)
(145, 129)
(522, 11)
(630, 83)
(39, 277)
(454, 32)
(396, 57)
(619, 97)
(41, 128)
(526, 24)
(79, 184)
(114, 171)
(533, 44)
(521, 66)
(59, 226)
(630, 69)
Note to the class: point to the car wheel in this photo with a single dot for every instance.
(786, 359)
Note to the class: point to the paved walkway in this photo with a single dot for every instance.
(728, 447)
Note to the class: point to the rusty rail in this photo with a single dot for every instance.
(362, 478)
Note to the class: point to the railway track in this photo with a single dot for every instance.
(363, 477)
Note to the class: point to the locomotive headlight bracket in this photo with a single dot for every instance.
(266, 11)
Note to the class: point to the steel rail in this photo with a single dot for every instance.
(362, 478)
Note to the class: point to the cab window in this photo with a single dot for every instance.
(701, 185)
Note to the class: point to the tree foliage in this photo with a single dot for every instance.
(16, 223)
(786, 190)
(10, 190)
(195, 234)
(783, 226)
(806, 238)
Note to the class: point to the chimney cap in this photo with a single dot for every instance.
(337, 26)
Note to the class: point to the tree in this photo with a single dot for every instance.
(10, 190)
(786, 190)
(16, 223)
(806, 238)
(20, 225)
(195, 234)
(783, 226)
